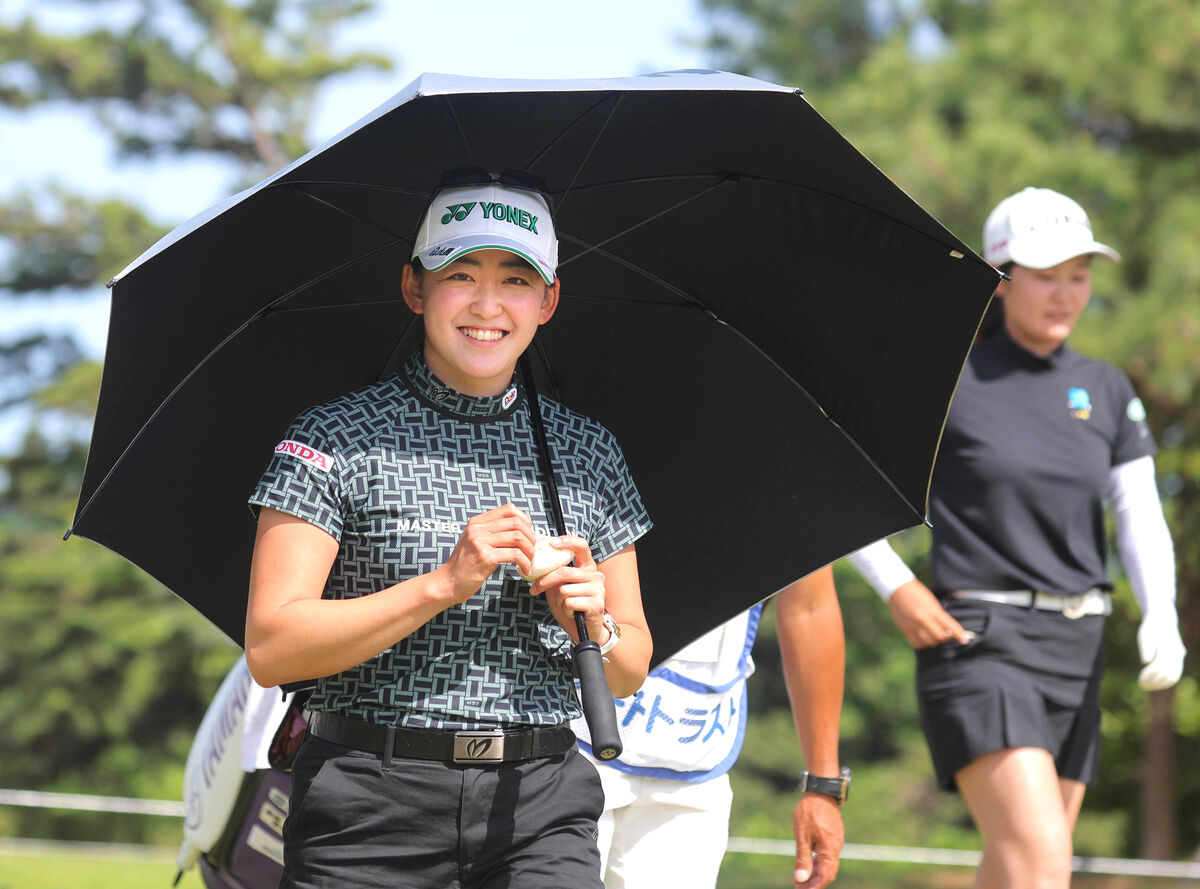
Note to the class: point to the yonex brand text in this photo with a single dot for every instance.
(492, 210)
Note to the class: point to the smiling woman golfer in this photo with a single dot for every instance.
(392, 524)
(1009, 654)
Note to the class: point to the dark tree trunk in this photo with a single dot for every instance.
(1158, 784)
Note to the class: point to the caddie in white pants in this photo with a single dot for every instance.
(668, 797)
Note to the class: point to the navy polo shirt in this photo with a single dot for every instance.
(1016, 499)
(393, 472)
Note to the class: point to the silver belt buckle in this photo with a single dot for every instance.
(480, 746)
(1075, 607)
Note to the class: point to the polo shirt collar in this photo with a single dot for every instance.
(1017, 353)
(442, 398)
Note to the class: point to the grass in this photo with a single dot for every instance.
(46, 866)
(87, 868)
(740, 870)
(35, 865)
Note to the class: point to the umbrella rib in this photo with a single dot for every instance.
(426, 195)
(344, 211)
(594, 247)
(666, 285)
(589, 248)
(555, 381)
(726, 177)
(461, 132)
(637, 269)
(919, 513)
(635, 302)
(734, 176)
(258, 315)
(394, 355)
(563, 132)
(372, 186)
(353, 305)
(595, 141)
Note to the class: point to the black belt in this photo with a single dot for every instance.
(476, 747)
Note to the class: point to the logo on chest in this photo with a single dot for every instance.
(438, 526)
(1079, 403)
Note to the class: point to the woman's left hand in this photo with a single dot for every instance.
(578, 587)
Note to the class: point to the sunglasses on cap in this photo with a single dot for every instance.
(511, 178)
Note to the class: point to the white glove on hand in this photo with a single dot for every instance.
(1161, 650)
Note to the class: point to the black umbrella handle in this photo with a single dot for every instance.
(599, 708)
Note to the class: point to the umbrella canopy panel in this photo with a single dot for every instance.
(772, 329)
(749, 483)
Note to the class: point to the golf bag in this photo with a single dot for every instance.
(237, 782)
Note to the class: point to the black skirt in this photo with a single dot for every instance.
(1029, 678)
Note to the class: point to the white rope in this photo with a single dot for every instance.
(851, 851)
(88, 803)
(1137, 867)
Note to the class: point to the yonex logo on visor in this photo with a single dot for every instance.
(458, 213)
(478, 211)
(492, 210)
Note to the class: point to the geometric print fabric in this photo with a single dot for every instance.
(407, 462)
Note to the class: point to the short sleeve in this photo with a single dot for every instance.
(1133, 437)
(302, 478)
(624, 518)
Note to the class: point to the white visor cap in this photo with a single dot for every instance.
(1040, 228)
(463, 219)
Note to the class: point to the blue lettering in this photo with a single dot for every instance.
(655, 712)
(635, 709)
(699, 723)
(717, 727)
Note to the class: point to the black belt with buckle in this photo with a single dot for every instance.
(476, 746)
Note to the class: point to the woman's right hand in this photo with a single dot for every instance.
(922, 619)
(504, 534)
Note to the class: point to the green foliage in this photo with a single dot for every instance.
(54, 241)
(880, 738)
(233, 78)
(227, 79)
(821, 40)
(1097, 99)
(60, 240)
(104, 675)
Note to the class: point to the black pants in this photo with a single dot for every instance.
(419, 823)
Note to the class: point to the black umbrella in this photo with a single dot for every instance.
(770, 326)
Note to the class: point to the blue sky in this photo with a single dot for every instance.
(517, 38)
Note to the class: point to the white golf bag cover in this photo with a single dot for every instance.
(234, 801)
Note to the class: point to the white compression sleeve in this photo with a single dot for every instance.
(1143, 539)
(880, 567)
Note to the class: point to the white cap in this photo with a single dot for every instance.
(1039, 228)
(463, 219)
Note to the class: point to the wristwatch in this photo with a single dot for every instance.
(838, 788)
(614, 634)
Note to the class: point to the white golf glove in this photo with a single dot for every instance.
(1161, 650)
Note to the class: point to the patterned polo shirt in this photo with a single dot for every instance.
(393, 471)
